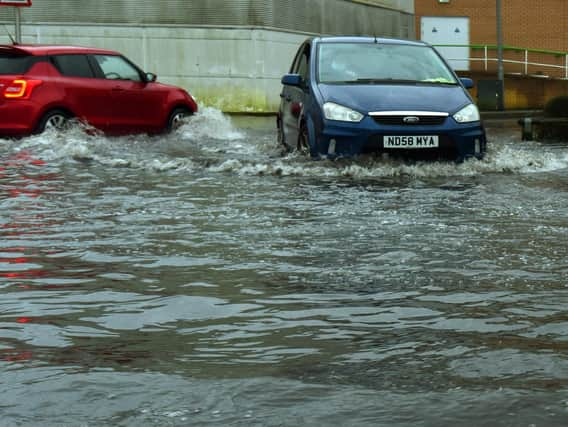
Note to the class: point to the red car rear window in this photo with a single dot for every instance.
(15, 64)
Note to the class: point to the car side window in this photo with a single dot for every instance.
(303, 67)
(73, 65)
(296, 61)
(117, 68)
(303, 64)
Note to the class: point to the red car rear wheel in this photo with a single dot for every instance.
(54, 119)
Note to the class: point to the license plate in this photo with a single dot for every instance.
(411, 141)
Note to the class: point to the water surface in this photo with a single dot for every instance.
(204, 278)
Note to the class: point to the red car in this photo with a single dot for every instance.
(45, 86)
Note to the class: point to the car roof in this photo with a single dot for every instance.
(367, 39)
(38, 50)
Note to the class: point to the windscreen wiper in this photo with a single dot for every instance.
(440, 81)
(402, 81)
(389, 80)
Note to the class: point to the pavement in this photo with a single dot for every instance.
(507, 118)
(509, 114)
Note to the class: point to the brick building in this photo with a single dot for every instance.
(526, 24)
(535, 40)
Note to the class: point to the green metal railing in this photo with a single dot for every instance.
(489, 55)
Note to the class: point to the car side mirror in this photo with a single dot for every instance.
(468, 83)
(292, 80)
(151, 77)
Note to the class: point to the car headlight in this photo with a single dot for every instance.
(468, 114)
(333, 111)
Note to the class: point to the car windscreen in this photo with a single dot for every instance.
(381, 62)
(14, 64)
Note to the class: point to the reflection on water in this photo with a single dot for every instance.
(205, 278)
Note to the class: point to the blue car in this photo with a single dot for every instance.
(346, 96)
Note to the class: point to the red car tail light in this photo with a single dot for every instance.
(21, 88)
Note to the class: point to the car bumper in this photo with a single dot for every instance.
(17, 118)
(456, 141)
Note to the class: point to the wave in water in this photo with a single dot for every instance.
(209, 141)
(501, 159)
(210, 123)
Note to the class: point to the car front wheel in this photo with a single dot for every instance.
(55, 119)
(282, 137)
(304, 141)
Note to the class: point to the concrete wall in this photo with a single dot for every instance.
(234, 70)
(403, 5)
(317, 16)
(229, 54)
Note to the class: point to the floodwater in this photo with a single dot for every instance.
(203, 278)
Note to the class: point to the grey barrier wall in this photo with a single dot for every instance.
(230, 54)
(312, 16)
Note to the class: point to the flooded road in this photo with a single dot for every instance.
(203, 278)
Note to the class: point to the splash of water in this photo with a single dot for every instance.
(505, 158)
(210, 123)
(210, 141)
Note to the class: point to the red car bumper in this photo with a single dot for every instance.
(17, 118)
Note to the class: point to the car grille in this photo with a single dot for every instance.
(399, 120)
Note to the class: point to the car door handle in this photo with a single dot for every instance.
(117, 89)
